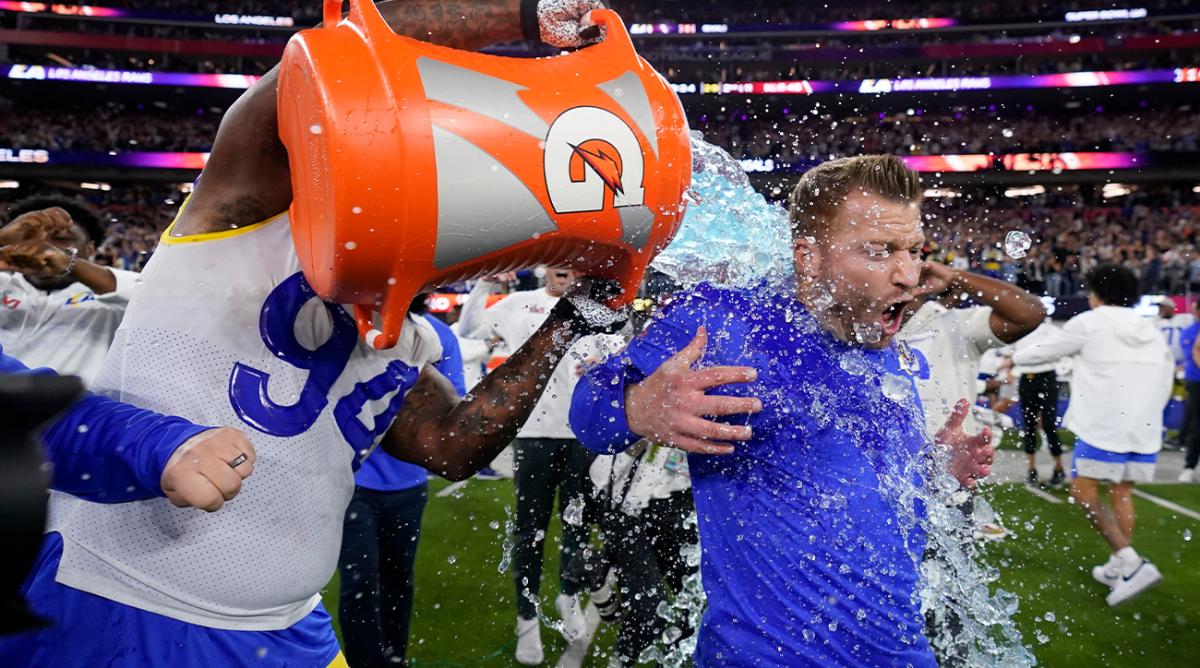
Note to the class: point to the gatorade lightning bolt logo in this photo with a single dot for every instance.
(593, 161)
(602, 163)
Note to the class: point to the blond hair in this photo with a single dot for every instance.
(822, 190)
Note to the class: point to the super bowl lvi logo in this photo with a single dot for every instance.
(593, 161)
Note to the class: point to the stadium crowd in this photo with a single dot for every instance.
(746, 134)
(813, 135)
(112, 127)
(1152, 232)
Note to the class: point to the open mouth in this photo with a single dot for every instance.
(893, 317)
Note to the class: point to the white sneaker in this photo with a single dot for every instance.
(529, 642)
(574, 623)
(1106, 575)
(577, 650)
(1132, 585)
(1187, 475)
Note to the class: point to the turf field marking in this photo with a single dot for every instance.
(1041, 494)
(453, 487)
(1169, 505)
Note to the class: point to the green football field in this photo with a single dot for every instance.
(464, 613)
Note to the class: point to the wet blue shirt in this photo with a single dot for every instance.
(383, 472)
(1187, 339)
(808, 558)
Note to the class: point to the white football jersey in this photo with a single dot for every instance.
(947, 345)
(1172, 331)
(226, 332)
(515, 319)
(68, 330)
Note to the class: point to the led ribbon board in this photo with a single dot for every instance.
(969, 162)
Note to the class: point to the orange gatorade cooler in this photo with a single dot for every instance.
(415, 165)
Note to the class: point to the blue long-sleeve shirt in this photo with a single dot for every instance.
(107, 451)
(807, 556)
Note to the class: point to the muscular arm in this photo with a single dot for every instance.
(454, 438)
(1015, 312)
(247, 177)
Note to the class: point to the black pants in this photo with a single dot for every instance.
(379, 547)
(1190, 438)
(646, 552)
(541, 468)
(1038, 393)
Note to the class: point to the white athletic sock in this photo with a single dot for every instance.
(1129, 560)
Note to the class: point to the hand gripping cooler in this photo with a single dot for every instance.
(415, 165)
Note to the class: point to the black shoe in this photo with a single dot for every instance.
(1058, 478)
(1032, 478)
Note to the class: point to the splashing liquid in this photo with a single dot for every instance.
(732, 236)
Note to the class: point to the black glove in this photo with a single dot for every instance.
(584, 306)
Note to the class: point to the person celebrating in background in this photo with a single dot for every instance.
(58, 309)
(1121, 381)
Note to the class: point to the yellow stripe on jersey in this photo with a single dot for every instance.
(339, 661)
(209, 236)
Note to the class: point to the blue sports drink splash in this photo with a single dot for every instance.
(731, 235)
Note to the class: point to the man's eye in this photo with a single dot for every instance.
(876, 252)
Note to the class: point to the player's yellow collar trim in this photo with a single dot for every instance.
(209, 236)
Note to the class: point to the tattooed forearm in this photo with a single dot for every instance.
(454, 439)
(462, 24)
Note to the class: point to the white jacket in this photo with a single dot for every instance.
(1122, 377)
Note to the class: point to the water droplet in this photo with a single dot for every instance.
(350, 245)
(356, 210)
(451, 559)
(896, 388)
(316, 129)
(1016, 243)
(820, 299)
(573, 513)
(868, 332)
(1187, 534)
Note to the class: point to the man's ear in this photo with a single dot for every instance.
(806, 256)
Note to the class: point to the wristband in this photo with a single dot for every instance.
(73, 252)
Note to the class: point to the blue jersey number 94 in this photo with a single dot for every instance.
(325, 364)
